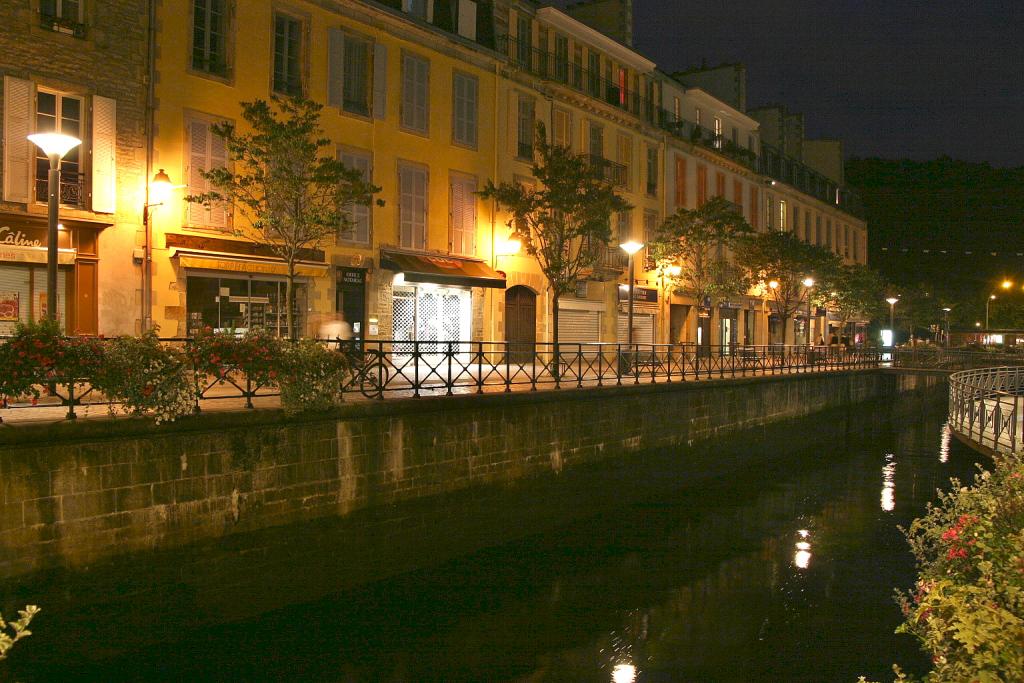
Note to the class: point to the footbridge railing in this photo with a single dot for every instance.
(986, 406)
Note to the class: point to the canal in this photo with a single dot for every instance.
(780, 572)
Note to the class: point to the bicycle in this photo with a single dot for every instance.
(370, 373)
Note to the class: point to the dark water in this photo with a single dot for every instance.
(785, 573)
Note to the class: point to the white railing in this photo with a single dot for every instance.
(985, 406)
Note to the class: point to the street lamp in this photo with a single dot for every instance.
(990, 299)
(808, 283)
(1007, 284)
(892, 311)
(630, 247)
(54, 146)
(160, 188)
(946, 310)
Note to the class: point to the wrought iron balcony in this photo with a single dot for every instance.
(72, 190)
(613, 172)
(62, 25)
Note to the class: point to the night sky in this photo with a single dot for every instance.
(894, 79)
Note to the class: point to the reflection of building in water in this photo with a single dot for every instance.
(802, 557)
(947, 436)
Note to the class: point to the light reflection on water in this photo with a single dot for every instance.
(784, 571)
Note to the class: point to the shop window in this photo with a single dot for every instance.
(57, 113)
(23, 296)
(240, 303)
(432, 316)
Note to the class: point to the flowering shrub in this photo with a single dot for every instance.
(311, 376)
(967, 608)
(39, 353)
(146, 377)
(226, 356)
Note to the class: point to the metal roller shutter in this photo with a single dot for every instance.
(643, 328)
(577, 326)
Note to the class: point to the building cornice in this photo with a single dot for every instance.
(613, 48)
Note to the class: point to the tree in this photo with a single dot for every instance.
(286, 180)
(851, 291)
(781, 258)
(697, 240)
(565, 221)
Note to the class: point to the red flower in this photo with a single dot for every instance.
(950, 534)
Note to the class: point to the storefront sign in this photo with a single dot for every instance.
(730, 304)
(18, 254)
(17, 238)
(641, 295)
(352, 276)
(10, 306)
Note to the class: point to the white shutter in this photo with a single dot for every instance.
(335, 67)
(219, 216)
(197, 144)
(412, 207)
(467, 19)
(463, 216)
(104, 152)
(380, 81)
(18, 152)
(578, 327)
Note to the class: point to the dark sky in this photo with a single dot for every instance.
(893, 79)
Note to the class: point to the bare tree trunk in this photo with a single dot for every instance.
(289, 298)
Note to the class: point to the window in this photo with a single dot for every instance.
(57, 113)
(596, 140)
(650, 232)
(625, 156)
(562, 132)
(525, 124)
(720, 184)
(209, 37)
(753, 207)
(287, 55)
(718, 132)
(581, 289)
(462, 219)
(769, 216)
(70, 11)
(796, 220)
(204, 151)
(735, 136)
(697, 116)
(782, 214)
(652, 171)
(828, 234)
(624, 227)
(524, 41)
(817, 230)
(415, 93)
(561, 59)
(680, 182)
(577, 66)
(594, 75)
(737, 193)
(417, 8)
(349, 72)
(807, 227)
(360, 215)
(412, 206)
(677, 111)
(464, 109)
(702, 185)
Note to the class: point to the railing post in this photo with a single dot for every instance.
(416, 369)
(448, 358)
(479, 367)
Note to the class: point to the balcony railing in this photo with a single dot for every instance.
(62, 25)
(775, 164)
(614, 173)
(72, 191)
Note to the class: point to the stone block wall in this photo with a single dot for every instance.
(73, 495)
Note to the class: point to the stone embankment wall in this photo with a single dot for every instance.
(75, 495)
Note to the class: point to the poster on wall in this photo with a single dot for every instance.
(10, 306)
(41, 309)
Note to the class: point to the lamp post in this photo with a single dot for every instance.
(672, 271)
(946, 310)
(773, 285)
(990, 299)
(54, 146)
(159, 191)
(808, 283)
(892, 315)
(630, 247)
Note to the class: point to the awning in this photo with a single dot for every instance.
(19, 254)
(442, 270)
(246, 264)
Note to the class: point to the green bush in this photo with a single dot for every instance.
(145, 376)
(311, 376)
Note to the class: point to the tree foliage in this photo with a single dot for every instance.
(286, 180)
(853, 291)
(564, 221)
(698, 241)
(780, 257)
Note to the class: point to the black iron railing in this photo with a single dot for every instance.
(393, 369)
(614, 172)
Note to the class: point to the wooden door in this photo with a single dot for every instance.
(520, 323)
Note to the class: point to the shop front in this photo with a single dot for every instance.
(432, 300)
(23, 268)
(233, 287)
(645, 308)
(728, 326)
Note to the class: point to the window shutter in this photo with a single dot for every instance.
(219, 213)
(17, 148)
(463, 217)
(380, 81)
(104, 152)
(335, 67)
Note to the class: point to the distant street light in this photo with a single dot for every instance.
(892, 311)
(1007, 284)
(991, 298)
(808, 283)
(54, 146)
(946, 310)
